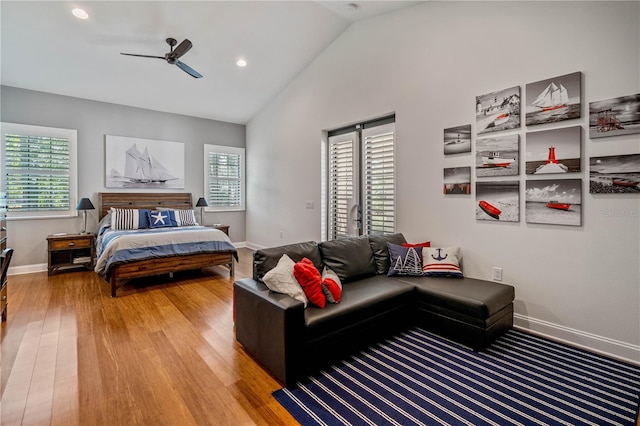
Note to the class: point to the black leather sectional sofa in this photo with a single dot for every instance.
(292, 342)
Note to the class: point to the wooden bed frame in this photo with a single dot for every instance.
(144, 268)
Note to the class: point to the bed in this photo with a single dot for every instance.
(129, 254)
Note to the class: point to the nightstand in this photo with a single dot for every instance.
(223, 228)
(67, 251)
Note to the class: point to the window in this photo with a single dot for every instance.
(224, 178)
(361, 179)
(40, 171)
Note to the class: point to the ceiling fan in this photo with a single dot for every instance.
(173, 56)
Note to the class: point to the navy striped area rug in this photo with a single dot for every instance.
(419, 378)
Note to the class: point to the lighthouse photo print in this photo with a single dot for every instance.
(497, 111)
(554, 99)
(556, 151)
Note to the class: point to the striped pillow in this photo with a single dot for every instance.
(185, 217)
(441, 262)
(129, 219)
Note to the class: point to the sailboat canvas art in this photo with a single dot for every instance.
(143, 163)
(554, 99)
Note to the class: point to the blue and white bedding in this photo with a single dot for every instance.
(115, 247)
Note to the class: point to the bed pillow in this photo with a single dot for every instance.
(311, 282)
(405, 260)
(129, 218)
(281, 280)
(161, 219)
(331, 286)
(442, 262)
(185, 217)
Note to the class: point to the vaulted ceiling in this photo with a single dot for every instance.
(45, 48)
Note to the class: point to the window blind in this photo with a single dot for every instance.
(225, 180)
(379, 179)
(38, 173)
(341, 186)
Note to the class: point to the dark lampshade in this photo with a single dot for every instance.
(85, 204)
(201, 203)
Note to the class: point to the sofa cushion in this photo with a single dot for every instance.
(350, 258)
(266, 259)
(476, 298)
(361, 301)
(380, 250)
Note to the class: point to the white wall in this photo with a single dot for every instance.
(93, 120)
(427, 63)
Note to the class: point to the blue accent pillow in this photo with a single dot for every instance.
(143, 218)
(162, 219)
(405, 260)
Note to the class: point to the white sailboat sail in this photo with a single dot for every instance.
(551, 97)
(142, 167)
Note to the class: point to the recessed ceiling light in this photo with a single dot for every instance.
(80, 13)
(241, 63)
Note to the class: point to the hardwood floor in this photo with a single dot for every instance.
(157, 354)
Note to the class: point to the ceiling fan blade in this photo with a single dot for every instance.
(142, 56)
(181, 49)
(186, 68)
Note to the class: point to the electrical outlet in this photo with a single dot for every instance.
(497, 274)
(310, 205)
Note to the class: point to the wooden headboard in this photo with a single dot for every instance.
(143, 200)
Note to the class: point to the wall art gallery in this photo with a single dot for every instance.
(555, 151)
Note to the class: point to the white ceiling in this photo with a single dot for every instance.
(45, 48)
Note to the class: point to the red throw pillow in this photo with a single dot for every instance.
(425, 244)
(310, 281)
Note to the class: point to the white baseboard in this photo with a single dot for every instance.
(254, 246)
(241, 244)
(27, 269)
(588, 341)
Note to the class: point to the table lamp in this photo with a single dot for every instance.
(84, 205)
(202, 203)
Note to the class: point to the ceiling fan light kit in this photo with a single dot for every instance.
(173, 56)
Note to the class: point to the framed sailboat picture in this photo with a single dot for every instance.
(614, 174)
(498, 201)
(554, 201)
(143, 163)
(613, 117)
(497, 111)
(457, 139)
(554, 151)
(498, 156)
(554, 99)
(457, 180)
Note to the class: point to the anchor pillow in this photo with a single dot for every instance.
(405, 260)
(442, 262)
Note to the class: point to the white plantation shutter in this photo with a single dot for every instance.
(224, 177)
(379, 180)
(342, 187)
(40, 170)
(361, 179)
